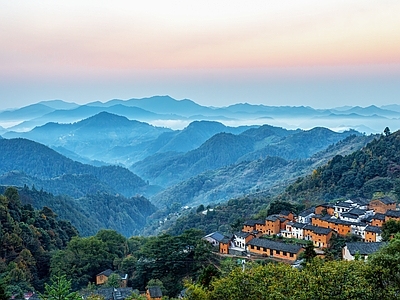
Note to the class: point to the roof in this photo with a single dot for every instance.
(225, 240)
(291, 248)
(307, 212)
(357, 211)
(360, 201)
(318, 230)
(155, 292)
(253, 222)
(299, 225)
(364, 248)
(344, 204)
(385, 200)
(111, 293)
(285, 212)
(393, 213)
(379, 216)
(350, 215)
(373, 229)
(216, 236)
(339, 221)
(272, 218)
(106, 273)
(242, 234)
(325, 205)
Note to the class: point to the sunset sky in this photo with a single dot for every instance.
(294, 52)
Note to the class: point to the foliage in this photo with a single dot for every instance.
(28, 237)
(59, 289)
(389, 229)
(375, 168)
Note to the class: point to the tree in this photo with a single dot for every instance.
(389, 229)
(3, 295)
(386, 131)
(59, 289)
(309, 252)
(114, 280)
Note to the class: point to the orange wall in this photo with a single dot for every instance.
(100, 279)
(274, 253)
(370, 236)
(377, 223)
(247, 228)
(272, 228)
(380, 207)
(223, 248)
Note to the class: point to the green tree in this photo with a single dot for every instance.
(386, 131)
(389, 229)
(309, 252)
(114, 280)
(59, 289)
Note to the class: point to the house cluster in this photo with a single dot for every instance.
(317, 224)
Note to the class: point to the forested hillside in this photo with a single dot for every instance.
(93, 212)
(271, 174)
(54, 172)
(224, 149)
(375, 168)
(27, 238)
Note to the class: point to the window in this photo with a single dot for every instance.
(278, 252)
(291, 254)
(284, 253)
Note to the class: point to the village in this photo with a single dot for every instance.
(318, 225)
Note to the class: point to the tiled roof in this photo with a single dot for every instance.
(373, 229)
(393, 213)
(343, 204)
(325, 205)
(338, 221)
(350, 216)
(298, 225)
(307, 212)
(291, 248)
(253, 222)
(242, 234)
(106, 273)
(385, 200)
(360, 201)
(364, 248)
(318, 230)
(378, 216)
(272, 218)
(216, 236)
(155, 292)
(357, 211)
(284, 213)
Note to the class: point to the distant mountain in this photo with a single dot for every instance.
(27, 112)
(225, 149)
(270, 174)
(93, 136)
(371, 111)
(60, 175)
(393, 107)
(59, 104)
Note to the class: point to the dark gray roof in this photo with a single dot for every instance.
(357, 211)
(107, 273)
(298, 225)
(360, 201)
(253, 222)
(385, 200)
(338, 221)
(225, 240)
(285, 213)
(155, 292)
(242, 234)
(216, 236)
(343, 204)
(350, 215)
(307, 212)
(393, 213)
(110, 293)
(373, 229)
(317, 229)
(291, 248)
(379, 216)
(364, 248)
(272, 218)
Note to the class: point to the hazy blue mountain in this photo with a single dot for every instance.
(59, 104)
(275, 110)
(372, 110)
(93, 136)
(225, 149)
(61, 175)
(270, 175)
(393, 107)
(26, 113)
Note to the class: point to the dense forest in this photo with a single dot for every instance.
(93, 212)
(28, 238)
(375, 168)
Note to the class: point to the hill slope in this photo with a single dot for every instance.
(61, 175)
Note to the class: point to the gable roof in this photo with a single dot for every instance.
(285, 212)
(344, 204)
(216, 236)
(106, 273)
(272, 218)
(155, 292)
(307, 212)
(379, 216)
(393, 213)
(265, 243)
(373, 229)
(364, 248)
(357, 211)
(242, 234)
(253, 222)
(299, 225)
(350, 216)
(318, 230)
(385, 200)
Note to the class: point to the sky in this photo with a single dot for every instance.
(322, 54)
